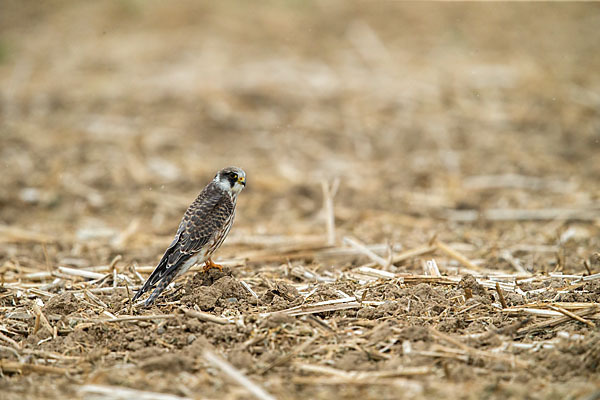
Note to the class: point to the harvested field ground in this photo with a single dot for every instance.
(421, 221)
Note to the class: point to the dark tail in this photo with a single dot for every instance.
(164, 272)
(140, 292)
(160, 273)
(164, 282)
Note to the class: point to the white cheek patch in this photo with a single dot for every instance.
(223, 184)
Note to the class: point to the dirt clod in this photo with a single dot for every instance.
(171, 363)
(63, 304)
(212, 288)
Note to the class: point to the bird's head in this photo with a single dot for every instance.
(231, 179)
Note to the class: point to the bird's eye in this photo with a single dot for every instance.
(234, 175)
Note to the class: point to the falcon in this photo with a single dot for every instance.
(202, 230)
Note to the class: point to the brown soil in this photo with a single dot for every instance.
(470, 125)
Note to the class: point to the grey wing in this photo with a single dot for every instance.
(201, 221)
(204, 222)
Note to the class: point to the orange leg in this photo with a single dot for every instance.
(210, 264)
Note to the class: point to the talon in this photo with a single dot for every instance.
(210, 264)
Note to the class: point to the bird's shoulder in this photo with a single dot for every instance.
(212, 198)
(208, 212)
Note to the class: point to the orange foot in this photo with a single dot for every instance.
(210, 264)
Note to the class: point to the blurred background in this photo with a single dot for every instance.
(115, 114)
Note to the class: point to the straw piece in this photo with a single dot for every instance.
(457, 256)
(23, 368)
(515, 214)
(10, 234)
(114, 262)
(556, 321)
(323, 306)
(512, 361)
(591, 277)
(10, 341)
(364, 250)
(438, 280)
(121, 393)
(288, 356)
(81, 273)
(515, 181)
(376, 272)
(94, 299)
(202, 316)
(417, 251)
(572, 315)
(329, 192)
(340, 252)
(430, 268)
(249, 289)
(533, 311)
(513, 261)
(500, 295)
(237, 376)
(137, 318)
(34, 276)
(42, 318)
(364, 375)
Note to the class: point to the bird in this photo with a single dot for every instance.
(201, 232)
